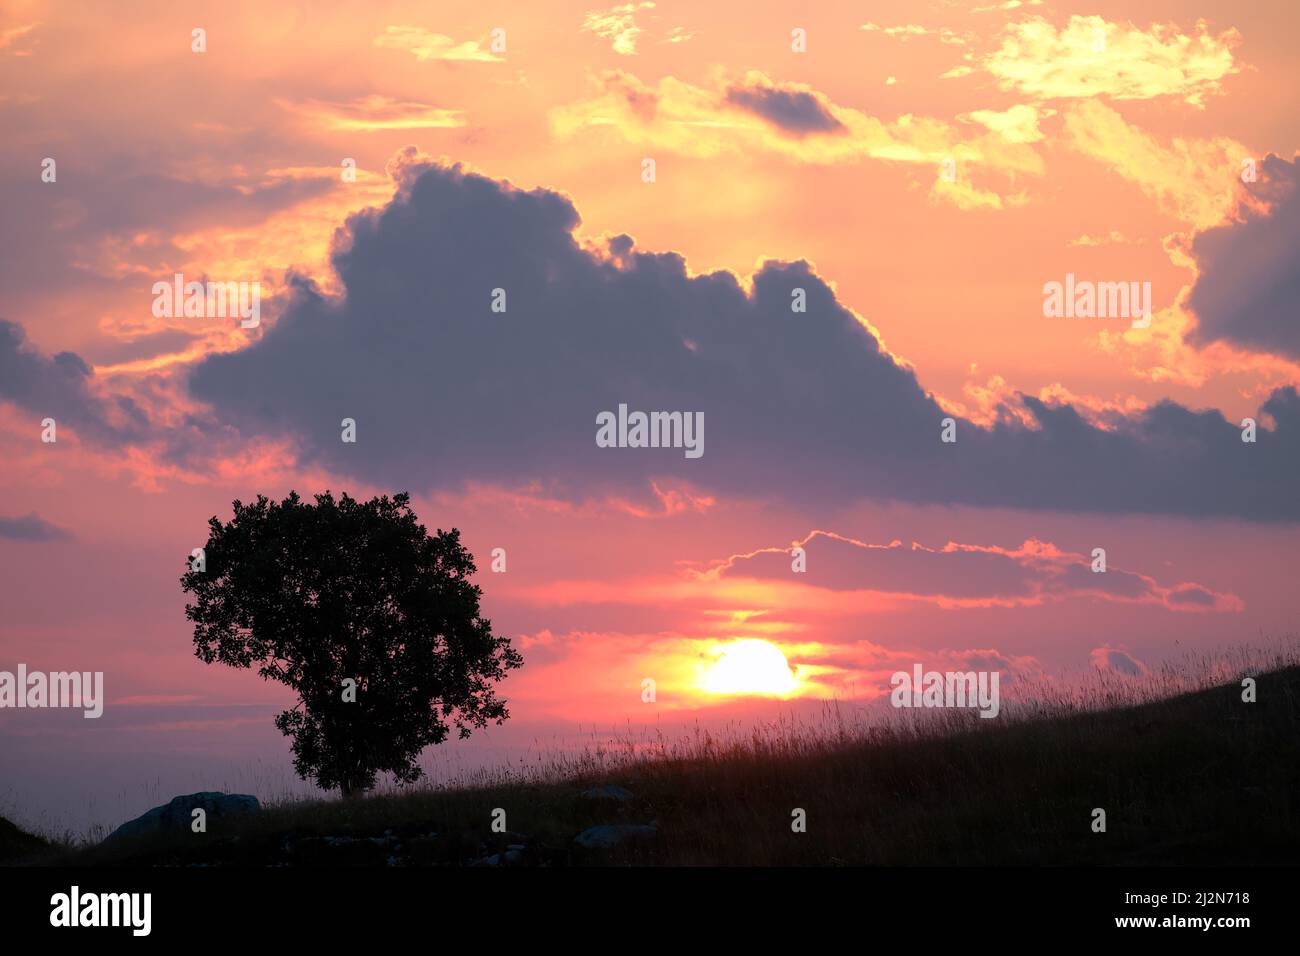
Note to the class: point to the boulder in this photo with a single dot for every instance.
(512, 857)
(176, 816)
(340, 851)
(610, 835)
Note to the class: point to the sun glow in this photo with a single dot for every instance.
(749, 666)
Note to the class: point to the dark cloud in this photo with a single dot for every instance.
(1248, 290)
(59, 387)
(839, 564)
(31, 527)
(962, 572)
(800, 405)
(1193, 595)
(110, 351)
(1079, 577)
(791, 109)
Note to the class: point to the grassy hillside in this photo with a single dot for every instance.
(17, 845)
(1201, 778)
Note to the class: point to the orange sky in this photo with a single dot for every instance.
(1101, 141)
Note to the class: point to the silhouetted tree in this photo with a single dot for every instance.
(318, 595)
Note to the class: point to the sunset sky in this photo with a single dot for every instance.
(920, 169)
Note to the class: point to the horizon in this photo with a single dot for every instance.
(991, 313)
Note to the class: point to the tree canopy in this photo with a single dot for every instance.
(371, 620)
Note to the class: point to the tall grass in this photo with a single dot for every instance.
(1183, 768)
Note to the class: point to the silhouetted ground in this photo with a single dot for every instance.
(15, 844)
(1203, 778)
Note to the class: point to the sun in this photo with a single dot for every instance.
(750, 666)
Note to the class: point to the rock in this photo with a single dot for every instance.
(610, 792)
(512, 857)
(338, 851)
(610, 835)
(177, 815)
(427, 850)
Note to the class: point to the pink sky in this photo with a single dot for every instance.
(1107, 142)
